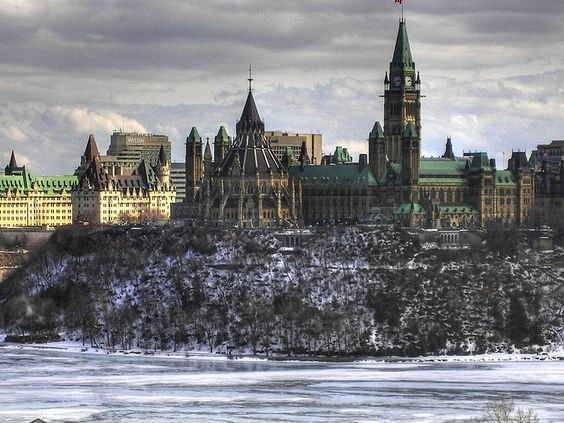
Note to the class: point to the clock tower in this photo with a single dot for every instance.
(402, 97)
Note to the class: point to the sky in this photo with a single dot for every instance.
(491, 72)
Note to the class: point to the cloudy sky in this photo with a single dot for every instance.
(491, 70)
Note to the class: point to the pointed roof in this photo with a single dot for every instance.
(194, 136)
(163, 160)
(377, 132)
(221, 136)
(13, 164)
(91, 151)
(402, 58)
(250, 122)
(449, 154)
(207, 151)
(250, 154)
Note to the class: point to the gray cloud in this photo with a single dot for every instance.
(491, 71)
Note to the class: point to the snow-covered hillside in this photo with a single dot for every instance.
(348, 291)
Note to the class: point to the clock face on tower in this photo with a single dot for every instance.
(408, 81)
(397, 81)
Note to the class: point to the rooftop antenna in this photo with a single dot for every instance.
(250, 77)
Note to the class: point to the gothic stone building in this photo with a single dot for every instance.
(399, 185)
(244, 184)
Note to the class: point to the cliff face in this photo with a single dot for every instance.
(346, 291)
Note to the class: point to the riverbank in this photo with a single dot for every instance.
(78, 347)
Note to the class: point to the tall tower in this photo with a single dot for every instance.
(376, 150)
(410, 162)
(402, 97)
(194, 165)
(220, 145)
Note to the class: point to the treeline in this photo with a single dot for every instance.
(348, 291)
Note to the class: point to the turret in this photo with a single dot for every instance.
(220, 145)
(163, 167)
(194, 165)
(376, 150)
(449, 154)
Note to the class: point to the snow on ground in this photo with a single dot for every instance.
(61, 382)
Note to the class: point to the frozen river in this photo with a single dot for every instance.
(67, 386)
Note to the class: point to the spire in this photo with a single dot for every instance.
(402, 59)
(377, 132)
(207, 151)
(250, 78)
(91, 151)
(13, 164)
(163, 160)
(449, 154)
(250, 122)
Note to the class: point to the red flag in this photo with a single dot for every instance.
(398, 1)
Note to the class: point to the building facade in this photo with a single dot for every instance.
(243, 184)
(106, 196)
(26, 200)
(548, 160)
(128, 149)
(398, 185)
(280, 141)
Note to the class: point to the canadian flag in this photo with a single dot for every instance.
(398, 1)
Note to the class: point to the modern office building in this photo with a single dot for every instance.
(280, 141)
(128, 149)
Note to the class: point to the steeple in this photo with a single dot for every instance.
(163, 160)
(402, 59)
(402, 96)
(12, 165)
(91, 151)
(251, 149)
(449, 154)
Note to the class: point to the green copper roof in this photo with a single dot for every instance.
(377, 132)
(410, 208)
(341, 155)
(505, 178)
(441, 168)
(222, 135)
(457, 209)
(50, 186)
(410, 131)
(194, 136)
(534, 160)
(402, 53)
(480, 162)
(346, 173)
